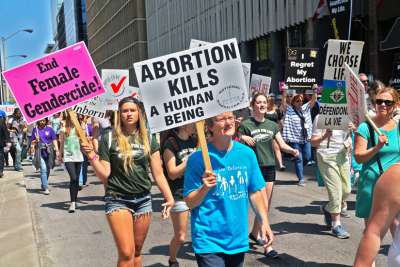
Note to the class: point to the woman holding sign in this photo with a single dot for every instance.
(219, 199)
(125, 156)
(376, 152)
(260, 134)
(297, 129)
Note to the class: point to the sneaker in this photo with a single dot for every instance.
(19, 169)
(310, 163)
(302, 183)
(259, 242)
(46, 191)
(71, 207)
(173, 263)
(327, 217)
(273, 254)
(340, 232)
(282, 168)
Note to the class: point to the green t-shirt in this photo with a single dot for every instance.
(388, 154)
(137, 180)
(263, 133)
(181, 149)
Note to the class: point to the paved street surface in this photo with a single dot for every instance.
(84, 238)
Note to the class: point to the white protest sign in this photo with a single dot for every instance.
(340, 52)
(116, 83)
(94, 107)
(333, 106)
(8, 109)
(246, 66)
(192, 85)
(259, 83)
(97, 106)
(355, 95)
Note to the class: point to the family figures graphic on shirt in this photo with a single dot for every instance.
(232, 181)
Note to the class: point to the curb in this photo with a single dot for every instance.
(18, 244)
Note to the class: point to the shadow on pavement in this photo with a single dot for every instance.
(81, 205)
(284, 228)
(34, 191)
(163, 250)
(351, 205)
(300, 210)
(286, 182)
(288, 260)
(96, 182)
(62, 185)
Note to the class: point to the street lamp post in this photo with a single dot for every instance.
(3, 62)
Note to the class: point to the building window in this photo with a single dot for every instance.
(297, 36)
(263, 46)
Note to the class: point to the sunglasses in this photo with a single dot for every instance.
(387, 103)
(365, 81)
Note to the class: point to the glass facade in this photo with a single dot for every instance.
(71, 32)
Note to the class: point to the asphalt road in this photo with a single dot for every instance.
(84, 239)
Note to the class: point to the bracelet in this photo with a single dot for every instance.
(95, 157)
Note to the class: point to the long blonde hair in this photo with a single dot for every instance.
(123, 141)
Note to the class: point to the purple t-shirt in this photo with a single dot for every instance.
(47, 134)
(89, 130)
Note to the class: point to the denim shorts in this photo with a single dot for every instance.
(137, 205)
(180, 206)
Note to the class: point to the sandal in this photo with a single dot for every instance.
(273, 254)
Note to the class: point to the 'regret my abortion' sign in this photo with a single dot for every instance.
(55, 82)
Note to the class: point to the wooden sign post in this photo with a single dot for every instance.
(78, 129)
(203, 145)
(376, 129)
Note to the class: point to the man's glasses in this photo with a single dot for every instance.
(387, 103)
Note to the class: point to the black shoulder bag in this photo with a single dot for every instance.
(302, 121)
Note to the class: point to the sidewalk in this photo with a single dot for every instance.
(18, 246)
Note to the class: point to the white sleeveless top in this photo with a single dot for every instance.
(394, 251)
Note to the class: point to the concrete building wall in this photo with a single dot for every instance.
(171, 24)
(117, 33)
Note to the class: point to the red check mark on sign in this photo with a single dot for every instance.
(116, 87)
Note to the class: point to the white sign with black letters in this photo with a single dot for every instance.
(340, 52)
(246, 66)
(192, 85)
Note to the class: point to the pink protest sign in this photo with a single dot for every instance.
(55, 82)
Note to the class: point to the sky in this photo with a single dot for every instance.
(25, 14)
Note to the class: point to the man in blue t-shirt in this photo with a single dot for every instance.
(219, 199)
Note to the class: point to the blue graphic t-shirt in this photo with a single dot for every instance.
(220, 222)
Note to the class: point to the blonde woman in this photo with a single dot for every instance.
(125, 155)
